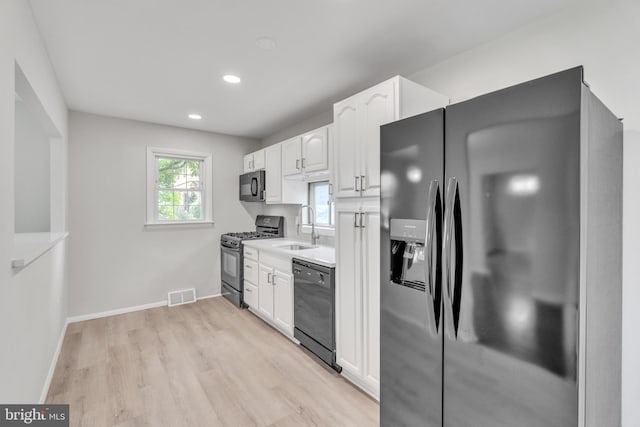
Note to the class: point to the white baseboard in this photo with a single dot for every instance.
(54, 362)
(359, 383)
(209, 296)
(108, 313)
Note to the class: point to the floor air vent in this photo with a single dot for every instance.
(185, 296)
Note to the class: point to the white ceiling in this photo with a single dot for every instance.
(158, 60)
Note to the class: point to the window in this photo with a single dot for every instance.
(323, 206)
(178, 187)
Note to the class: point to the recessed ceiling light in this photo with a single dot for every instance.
(230, 78)
(266, 43)
(194, 116)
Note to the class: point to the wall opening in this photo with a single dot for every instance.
(34, 134)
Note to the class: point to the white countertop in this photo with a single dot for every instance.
(323, 255)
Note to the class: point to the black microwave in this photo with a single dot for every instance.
(252, 186)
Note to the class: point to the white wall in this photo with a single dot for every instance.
(33, 307)
(311, 123)
(115, 261)
(605, 39)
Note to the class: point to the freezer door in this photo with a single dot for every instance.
(410, 325)
(511, 256)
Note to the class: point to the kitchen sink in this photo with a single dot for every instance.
(295, 247)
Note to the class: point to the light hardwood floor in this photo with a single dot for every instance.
(202, 364)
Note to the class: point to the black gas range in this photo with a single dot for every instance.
(231, 257)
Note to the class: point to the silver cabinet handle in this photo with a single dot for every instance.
(248, 266)
(330, 189)
(248, 290)
(297, 163)
(446, 251)
(363, 219)
(356, 183)
(355, 220)
(303, 162)
(362, 183)
(269, 278)
(433, 226)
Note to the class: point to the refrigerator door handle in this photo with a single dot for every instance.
(433, 284)
(452, 186)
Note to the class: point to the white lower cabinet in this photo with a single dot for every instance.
(268, 285)
(283, 300)
(265, 286)
(358, 293)
(250, 294)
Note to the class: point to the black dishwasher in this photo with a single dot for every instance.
(313, 309)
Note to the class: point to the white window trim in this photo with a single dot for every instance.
(206, 178)
(324, 229)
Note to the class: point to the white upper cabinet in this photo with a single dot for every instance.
(273, 173)
(254, 161)
(292, 156)
(357, 122)
(258, 160)
(248, 162)
(346, 164)
(306, 155)
(279, 190)
(315, 150)
(378, 108)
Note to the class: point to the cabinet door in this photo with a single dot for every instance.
(378, 108)
(273, 173)
(259, 160)
(265, 291)
(348, 291)
(283, 301)
(345, 148)
(248, 163)
(250, 295)
(315, 150)
(370, 219)
(291, 157)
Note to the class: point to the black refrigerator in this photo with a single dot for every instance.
(501, 222)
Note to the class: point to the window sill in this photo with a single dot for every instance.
(28, 247)
(179, 224)
(323, 231)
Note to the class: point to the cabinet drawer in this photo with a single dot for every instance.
(251, 253)
(251, 271)
(250, 295)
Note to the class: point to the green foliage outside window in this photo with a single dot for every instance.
(179, 189)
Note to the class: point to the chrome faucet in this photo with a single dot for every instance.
(314, 235)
